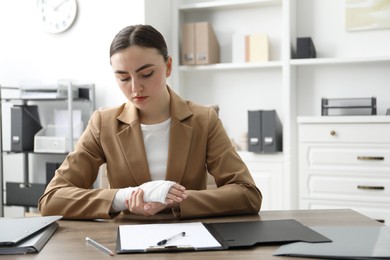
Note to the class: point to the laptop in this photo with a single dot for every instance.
(14, 230)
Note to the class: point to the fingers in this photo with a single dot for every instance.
(136, 205)
(177, 193)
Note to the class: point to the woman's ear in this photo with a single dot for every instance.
(169, 67)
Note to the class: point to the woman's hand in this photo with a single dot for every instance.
(176, 194)
(136, 204)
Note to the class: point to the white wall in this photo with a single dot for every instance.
(81, 53)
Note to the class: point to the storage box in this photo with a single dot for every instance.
(54, 139)
(348, 106)
(199, 44)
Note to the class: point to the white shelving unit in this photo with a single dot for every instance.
(348, 64)
(28, 167)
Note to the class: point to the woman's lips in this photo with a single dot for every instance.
(139, 98)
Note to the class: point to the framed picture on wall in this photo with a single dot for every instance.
(363, 15)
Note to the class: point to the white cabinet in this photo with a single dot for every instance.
(267, 172)
(344, 162)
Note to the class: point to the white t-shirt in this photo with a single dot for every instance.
(156, 139)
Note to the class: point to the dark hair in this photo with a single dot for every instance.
(139, 35)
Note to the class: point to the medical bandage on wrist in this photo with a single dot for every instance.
(156, 191)
(120, 197)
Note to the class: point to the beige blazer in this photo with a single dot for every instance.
(198, 145)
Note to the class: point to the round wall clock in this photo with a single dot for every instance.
(57, 15)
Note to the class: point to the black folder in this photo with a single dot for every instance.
(233, 235)
(247, 234)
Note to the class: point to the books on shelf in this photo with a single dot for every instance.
(250, 48)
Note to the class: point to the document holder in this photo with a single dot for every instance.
(215, 236)
(247, 234)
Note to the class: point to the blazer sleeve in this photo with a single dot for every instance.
(236, 192)
(69, 193)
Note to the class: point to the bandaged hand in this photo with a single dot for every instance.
(154, 191)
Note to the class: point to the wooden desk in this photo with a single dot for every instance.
(69, 241)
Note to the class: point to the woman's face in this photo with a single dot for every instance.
(141, 74)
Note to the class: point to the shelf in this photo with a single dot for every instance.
(231, 66)
(217, 5)
(343, 119)
(335, 61)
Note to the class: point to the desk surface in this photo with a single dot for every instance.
(69, 241)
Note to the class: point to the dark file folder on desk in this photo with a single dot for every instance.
(246, 234)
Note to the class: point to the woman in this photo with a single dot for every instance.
(158, 148)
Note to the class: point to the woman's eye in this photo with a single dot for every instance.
(125, 79)
(147, 75)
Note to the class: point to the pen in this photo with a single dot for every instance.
(99, 246)
(165, 241)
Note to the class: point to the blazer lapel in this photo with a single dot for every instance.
(180, 138)
(179, 146)
(131, 141)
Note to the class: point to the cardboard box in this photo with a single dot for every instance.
(256, 48)
(199, 44)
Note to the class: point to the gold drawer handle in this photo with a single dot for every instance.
(365, 187)
(371, 158)
(333, 133)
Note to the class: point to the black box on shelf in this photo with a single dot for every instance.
(264, 131)
(25, 124)
(348, 106)
(305, 48)
(23, 194)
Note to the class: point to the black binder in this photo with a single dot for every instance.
(25, 124)
(254, 131)
(265, 133)
(271, 132)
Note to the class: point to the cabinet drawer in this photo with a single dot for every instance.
(345, 133)
(364, 189)
(353, 157)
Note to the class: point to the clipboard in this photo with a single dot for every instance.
(145, 238)
(216, 236)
